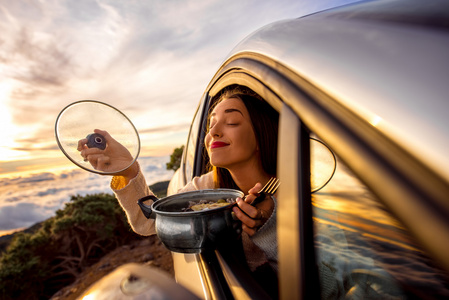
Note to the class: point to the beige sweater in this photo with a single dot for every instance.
(127, 195)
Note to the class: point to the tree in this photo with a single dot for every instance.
(35, 266)
(88, 227)
(175, 159)
(22, 267)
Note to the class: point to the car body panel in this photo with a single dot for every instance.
(386, 79)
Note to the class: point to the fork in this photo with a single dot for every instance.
(269, 189)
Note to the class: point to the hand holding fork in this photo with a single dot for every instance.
(269, 189)
(253, 217)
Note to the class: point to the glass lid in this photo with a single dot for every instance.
(110, 137)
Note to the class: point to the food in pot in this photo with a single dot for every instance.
(207, 204)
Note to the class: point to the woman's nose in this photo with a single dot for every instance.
(215, 131)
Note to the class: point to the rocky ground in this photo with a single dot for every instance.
(148, 251)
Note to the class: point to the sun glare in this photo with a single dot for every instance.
(376, 120)
(8, 128)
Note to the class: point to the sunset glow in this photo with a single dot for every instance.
(152, 60)
(8, 129)
(56, 53)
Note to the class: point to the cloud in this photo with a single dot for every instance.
(55, 47)
(25, 201)
(164, 129)
(21, 215)
(35, 163)
(30, 147)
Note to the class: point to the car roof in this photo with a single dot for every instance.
(386, 61)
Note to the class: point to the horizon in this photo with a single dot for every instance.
(27, 200)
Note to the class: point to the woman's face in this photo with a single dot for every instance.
(231, 141)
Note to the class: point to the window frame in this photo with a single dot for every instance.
(304, 230)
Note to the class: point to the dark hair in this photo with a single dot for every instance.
(264, 120)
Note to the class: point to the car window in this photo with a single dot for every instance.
(362, 251)
(191, 146)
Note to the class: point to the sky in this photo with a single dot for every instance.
(150, 59)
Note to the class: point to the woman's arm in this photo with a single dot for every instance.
(266, 239)
(128, 191)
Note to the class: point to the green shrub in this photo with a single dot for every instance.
(35, 266)
(175, 159)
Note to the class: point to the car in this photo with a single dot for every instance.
(362, 93)
(370, 81)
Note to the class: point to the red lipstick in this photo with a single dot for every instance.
(218, 145)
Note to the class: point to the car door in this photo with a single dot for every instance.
(360, 248)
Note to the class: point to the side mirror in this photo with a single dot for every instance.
(323, 164)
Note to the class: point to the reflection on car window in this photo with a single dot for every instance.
(192, 144)
(190, 156)
(365, 253)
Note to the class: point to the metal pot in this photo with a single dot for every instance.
(193, 231)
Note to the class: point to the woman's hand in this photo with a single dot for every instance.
(114, 157)
(253, 217)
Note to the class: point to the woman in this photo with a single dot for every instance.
(241, 143)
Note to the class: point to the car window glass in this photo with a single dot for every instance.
(363, 252)
(192, 143)
(190, 156)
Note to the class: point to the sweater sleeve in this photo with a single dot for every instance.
(266, 239)
(127, 196)
(205, 181)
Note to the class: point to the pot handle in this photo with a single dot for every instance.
(147, 211)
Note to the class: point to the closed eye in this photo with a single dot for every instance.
(211, 125)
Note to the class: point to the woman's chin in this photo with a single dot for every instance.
(218, 163)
